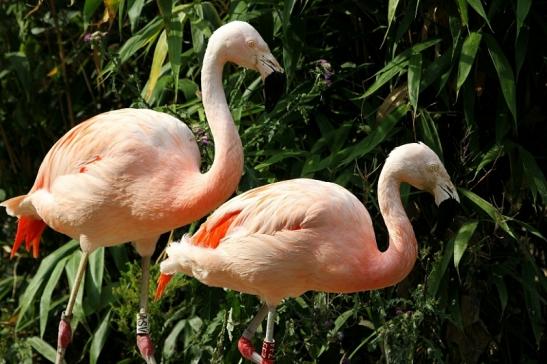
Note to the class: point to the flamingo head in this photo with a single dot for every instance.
(419, 166)
(238, 42)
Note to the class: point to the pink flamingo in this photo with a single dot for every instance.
(131, 175)
(286, 238)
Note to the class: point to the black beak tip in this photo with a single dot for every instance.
(274, 85)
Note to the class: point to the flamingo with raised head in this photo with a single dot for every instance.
(286, 238)
(131, 175)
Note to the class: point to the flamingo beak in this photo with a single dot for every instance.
(163, 280)
(274, 79)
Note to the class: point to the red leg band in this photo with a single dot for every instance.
(245, 347)
(268, 352)
(65, 333)
(146, 347)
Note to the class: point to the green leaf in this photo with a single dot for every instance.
(45, 300)
(532, 299)
(71, 269)
(467, 57)
(141, 39)
(391, 10)
(397, 65)
(90, 7)
(534, 176)
(99, 338)
(462, 8)
(134, 11)
(462, 240)
(523, 8)
(341, 320)
(497, 217)
(96, 270)
(26, 300)
(491, 155)
(477, 5)
(277, 157)
(160, 53)
(505, 75)
(169, 345)
(439, 269)
(42, 348)
(375, 137)
(414, 79)
(502, 292)
(428, 131)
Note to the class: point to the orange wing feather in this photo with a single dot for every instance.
(29, 230)
(210, 237)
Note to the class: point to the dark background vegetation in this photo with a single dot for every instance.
(467, 77)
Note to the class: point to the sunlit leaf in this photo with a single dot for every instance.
(169, 345)
(45, 299)
(160, 53)
(497, 217)
(90, 6)
(462, 7)
(462, 239)
(26, 300)
(99, 338)
(467, 57)
(42, 348)
(414, 79)
(477, 5)
(96, 269)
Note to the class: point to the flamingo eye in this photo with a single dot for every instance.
(251, 43)
(433, 168)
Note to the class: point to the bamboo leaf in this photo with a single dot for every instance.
(534, 175)
(414, 79)
(477, 5)
(374, 138)
(90, 7)
(134, 12)
(26, 300)
(169, 345)
(141, 39)
(502, 292)
(341, 320)
(505, 75)
(397, 65)
(99, 338)
(467, 57)
(491, 155)
(96, 270)
(391, 10)
(160, 53)
(45, 299)
(462, 240)
(428, 131)
(437, 273)
(42, 348)
(497, 217)
(523, 8)
(462, 8)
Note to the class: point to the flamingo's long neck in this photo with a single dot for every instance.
(218, 184)
(397, 261)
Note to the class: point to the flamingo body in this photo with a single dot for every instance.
(110, 180)
(290, 237)
(131, 175)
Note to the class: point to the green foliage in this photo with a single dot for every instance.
(467, 77)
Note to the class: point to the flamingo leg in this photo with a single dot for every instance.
(65, 331)
(144, 342)
(268, 345)
(245, 344)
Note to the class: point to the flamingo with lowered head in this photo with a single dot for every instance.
(131, 175)
(286, 238)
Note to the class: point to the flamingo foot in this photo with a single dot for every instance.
(64, 337)
(268, 352)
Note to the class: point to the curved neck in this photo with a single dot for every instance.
(397, 261)
(219, 183)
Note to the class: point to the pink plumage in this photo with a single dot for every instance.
(302, 235)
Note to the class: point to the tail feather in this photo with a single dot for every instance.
(30, 231)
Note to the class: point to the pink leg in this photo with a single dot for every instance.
(65, 332)
(245, 344)
(144, 342)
